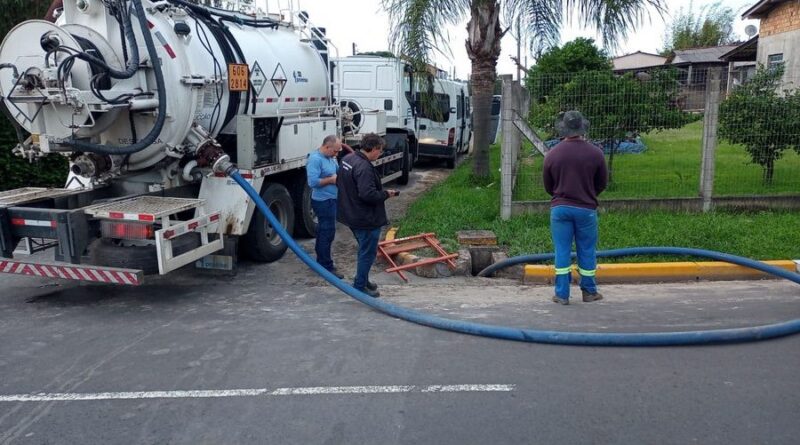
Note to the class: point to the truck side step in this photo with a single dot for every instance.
(142, 208)
(96, 274)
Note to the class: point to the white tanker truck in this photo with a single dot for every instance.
(148, 99)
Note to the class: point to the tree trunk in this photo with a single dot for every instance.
(611, 162)
(483, 48)
(769, 172)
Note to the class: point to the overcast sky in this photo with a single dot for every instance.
(364, 23)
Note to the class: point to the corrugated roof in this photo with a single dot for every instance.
(701, 55)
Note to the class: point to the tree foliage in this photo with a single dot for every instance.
(711, 26)
(562, 63)
(762, 118)
(14, 171)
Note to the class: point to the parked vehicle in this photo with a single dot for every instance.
(495, 119)
(445, 120)
(145, 98)
(372, 83)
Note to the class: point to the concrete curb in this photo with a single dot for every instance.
(661, 272)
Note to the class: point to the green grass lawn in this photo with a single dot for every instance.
(671, 168)
(456, 205)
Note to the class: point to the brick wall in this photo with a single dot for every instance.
(784, 18)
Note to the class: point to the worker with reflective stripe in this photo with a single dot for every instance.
(574, 173)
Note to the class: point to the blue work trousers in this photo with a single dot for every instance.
(326, 230)
(367, 251)
(573, 223)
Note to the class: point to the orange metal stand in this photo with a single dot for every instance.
(389, 248)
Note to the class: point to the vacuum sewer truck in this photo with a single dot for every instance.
(148, 99)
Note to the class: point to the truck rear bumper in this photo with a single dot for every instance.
(96, 274)
(436, 151)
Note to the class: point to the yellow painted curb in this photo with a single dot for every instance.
(402, 257)
(659, 272)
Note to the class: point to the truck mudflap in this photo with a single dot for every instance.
(74, 272)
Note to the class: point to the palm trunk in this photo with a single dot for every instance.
(483, 48)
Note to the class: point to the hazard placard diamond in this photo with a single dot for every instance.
(278, 80)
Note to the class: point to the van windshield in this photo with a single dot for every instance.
(436, 108)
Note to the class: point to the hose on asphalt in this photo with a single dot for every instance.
(709, 337)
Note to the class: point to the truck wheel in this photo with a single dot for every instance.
(262, 242)
(305, 221)
(106, 252)
(406, 168)
(451, 161)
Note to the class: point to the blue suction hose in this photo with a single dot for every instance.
(719, 336)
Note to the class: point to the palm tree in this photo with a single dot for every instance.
(418, 30)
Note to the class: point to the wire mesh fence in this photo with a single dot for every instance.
(653, 128)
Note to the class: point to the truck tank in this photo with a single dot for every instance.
(88, 85)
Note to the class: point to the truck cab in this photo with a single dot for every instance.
(373, 83)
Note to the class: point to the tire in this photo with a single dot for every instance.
(451, 161)
(262, 243)
(106, 252)
(406, 168)
(305, 221)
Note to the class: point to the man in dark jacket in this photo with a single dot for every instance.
(361, 206)
(574, 173)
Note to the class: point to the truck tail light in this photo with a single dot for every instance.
(451, 137)
(127, 230)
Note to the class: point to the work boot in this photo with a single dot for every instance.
(371, 285)
(588, 297)
(371, 293)
(562, 301)
(336, 273)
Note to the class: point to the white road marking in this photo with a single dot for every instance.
(207, 394)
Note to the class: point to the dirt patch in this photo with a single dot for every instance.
(290, 270)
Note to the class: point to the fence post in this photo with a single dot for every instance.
(508, 154)
(710, 126)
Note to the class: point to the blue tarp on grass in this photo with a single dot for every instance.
(636, 146)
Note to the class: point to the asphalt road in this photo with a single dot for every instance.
(298, 363)
(275, 356)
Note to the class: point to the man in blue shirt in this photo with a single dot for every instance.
(321, 171)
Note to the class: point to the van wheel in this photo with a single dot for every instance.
(406, 168)
(451, 161)
(262, 243)
(305, 221)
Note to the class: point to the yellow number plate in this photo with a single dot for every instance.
(238, 77)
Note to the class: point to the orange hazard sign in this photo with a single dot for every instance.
(238, 77)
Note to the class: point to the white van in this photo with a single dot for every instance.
(444, 120)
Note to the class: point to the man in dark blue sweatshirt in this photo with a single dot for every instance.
(574, 173)
(361, 206)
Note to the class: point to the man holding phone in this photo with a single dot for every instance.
(361, 206)
(321, 172)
